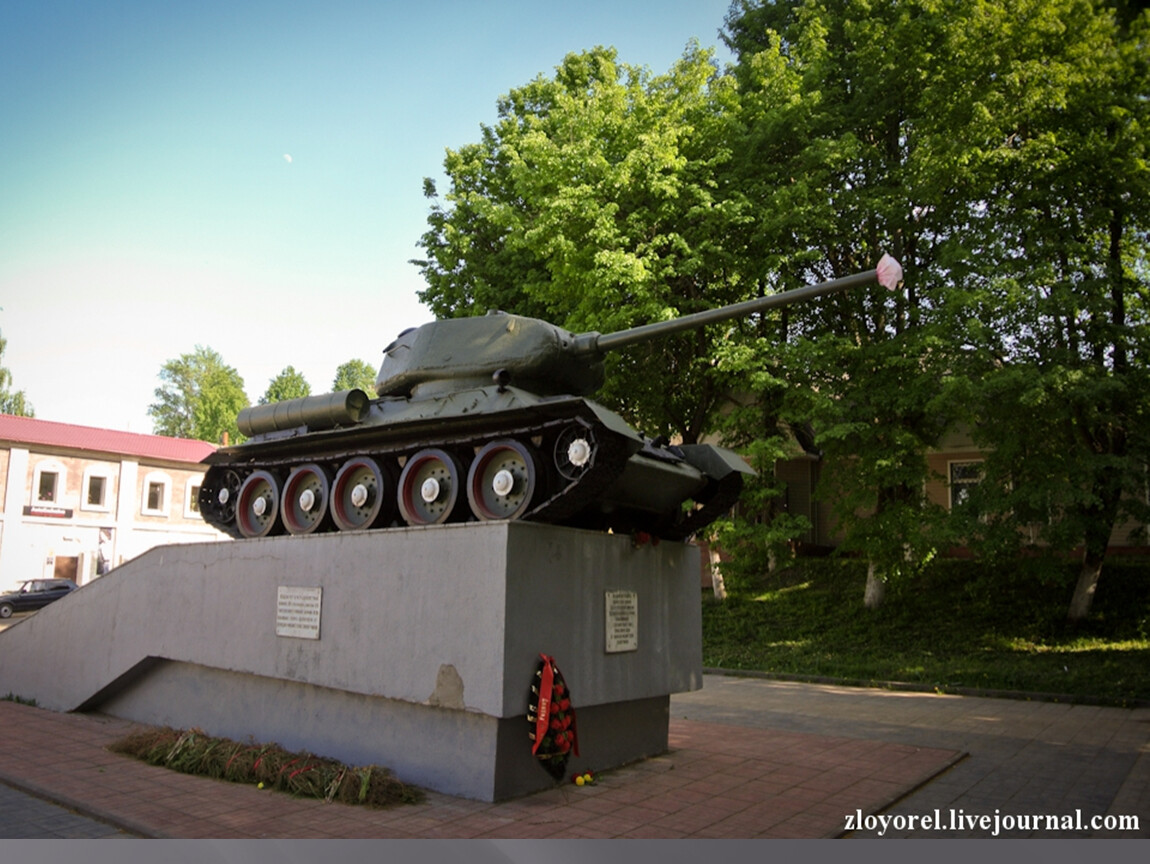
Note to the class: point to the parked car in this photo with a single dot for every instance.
(34, 594)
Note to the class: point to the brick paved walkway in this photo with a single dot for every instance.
(749, 758)
(713, 783)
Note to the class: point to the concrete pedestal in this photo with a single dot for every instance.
(418, 655)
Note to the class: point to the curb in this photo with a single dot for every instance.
(82, 809)
(942, 690)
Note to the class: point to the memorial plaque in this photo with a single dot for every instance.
(622, 622)
(297, 612)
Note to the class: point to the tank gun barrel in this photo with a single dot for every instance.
(888, 273)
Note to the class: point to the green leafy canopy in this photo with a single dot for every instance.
(200, 397)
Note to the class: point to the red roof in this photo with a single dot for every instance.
(26, 430)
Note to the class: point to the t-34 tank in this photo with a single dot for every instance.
(480, 418)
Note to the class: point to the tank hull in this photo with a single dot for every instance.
(564, 460)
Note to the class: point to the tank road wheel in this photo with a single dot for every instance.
(574, 452)
(304, 503)
(429, 487)
(358, 495)
(502, 480)
(258, 505)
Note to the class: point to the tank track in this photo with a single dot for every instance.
(561, 499)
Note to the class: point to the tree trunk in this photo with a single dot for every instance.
(1096, 540)
(875, 588)
(717, 586)
(1084, 591)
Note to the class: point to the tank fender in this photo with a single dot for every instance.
(615, 423)
(714, 461)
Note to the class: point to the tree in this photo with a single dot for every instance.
(835, 161)
(355, 375)
(591, 203)
(999, 150)
(1062, 226)
(199, 398)
(289, 384)
(11, 402)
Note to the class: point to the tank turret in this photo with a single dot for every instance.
(481, 418)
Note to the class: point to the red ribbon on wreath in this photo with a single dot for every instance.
(553, 734)
(543, 711)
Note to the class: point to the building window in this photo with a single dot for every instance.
(47, 490)
(156, 486)
(192, 497)
(48, 483)
(964, 476)
(97, 483)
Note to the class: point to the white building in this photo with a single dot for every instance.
(77, 501)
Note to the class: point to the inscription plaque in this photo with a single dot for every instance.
(297, 612)
(622, 622)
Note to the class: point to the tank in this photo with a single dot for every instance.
(482, 418)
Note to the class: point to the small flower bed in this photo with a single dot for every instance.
(267, 766)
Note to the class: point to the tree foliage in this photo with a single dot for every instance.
(999, 150)
(355, 375)
(592, 203)
(835, 159)
(11, 401)
(1062, 126)
(199, 398)
(289, 384)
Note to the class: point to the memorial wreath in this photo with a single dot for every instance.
(551, 718)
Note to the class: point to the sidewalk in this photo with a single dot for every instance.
(1024, 757)
(749, 758)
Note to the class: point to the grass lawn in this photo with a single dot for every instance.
(960, 624)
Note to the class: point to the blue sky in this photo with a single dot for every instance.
(248, 175)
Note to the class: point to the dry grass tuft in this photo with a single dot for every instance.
(268, 765)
